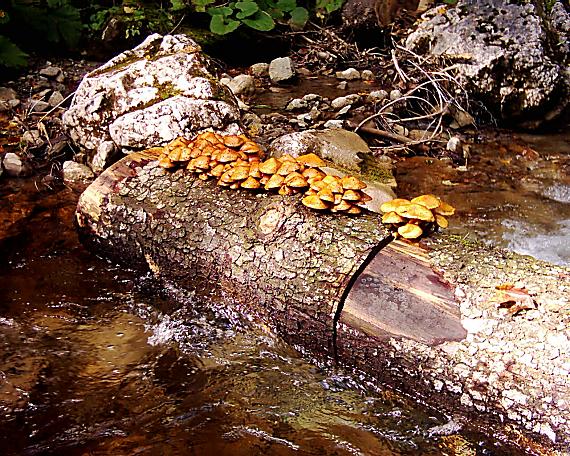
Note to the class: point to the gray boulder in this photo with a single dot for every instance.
(281, 69)
(148, 96)
(512, 64)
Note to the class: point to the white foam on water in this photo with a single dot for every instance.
(558, 192)
(527, 239)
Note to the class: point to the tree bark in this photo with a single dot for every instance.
(262, 250)
(336, 286)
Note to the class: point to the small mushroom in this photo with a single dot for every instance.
(326, 195)
(288, 167)
(249, 147)
(311, 160)
(441, 221)
(318, 185)
(314, 202)
(444, 209)
(233, 141)
(165, 162)
(392, 217)
(354, 210)
(254, 170)
(217, 170)
(250, 183)
(228, 156)
(351, 195)
(341, 206)
(311, 173)
(240, 173)
(274, 181)
(429, 201)
(392, 205)
(270, 166)
(352, 183)
(202, 162)
(285, 190)
(174, 154)
(415, 211)
(410, 231)
(295, 180)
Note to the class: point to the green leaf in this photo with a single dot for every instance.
(11, 56)
(286, 5)
(329, 5)
(246, 9)
(200, 5)
(221, 25)
(260, 21)
(220, 11)
(299, 17)
(177, 5)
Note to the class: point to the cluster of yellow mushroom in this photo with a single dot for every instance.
(412, 218)
(236, 162)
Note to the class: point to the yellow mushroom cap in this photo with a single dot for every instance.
(410, 231)
(249, 147)
(274, 181)
(217, 170)
(288, 167)
(429, 201)
(233, 141)
(392, 217)
(270, 166)
(227, 156)
(416, 211)
(354, 210)
(295, 180)
(444, 209)
(250, 183)
(352, 183)
(326, 195)
(314, 202)
(185, 153)
(285, 190)
(330, 179)
(311, 160)
(288, 158)
(351, 195)
(390, 206)
(441, 221)
(311, 173)
(175, 153)
(201, 162)
(240, 172)
(254, 170)
(318, 184)
(341, 206)
(165, 162)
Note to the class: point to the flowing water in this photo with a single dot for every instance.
(97, 360)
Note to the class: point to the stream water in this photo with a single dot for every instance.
(96, 360)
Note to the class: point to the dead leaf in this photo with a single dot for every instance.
(513, 299)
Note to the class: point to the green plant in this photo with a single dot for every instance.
(139, 18)
(24, 21)
(260, 15)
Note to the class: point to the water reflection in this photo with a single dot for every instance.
(95, 360)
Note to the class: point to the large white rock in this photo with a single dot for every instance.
(146, 97)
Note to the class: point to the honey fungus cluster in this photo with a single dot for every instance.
(412, 218)
(237, 162)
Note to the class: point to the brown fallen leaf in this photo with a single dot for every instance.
(513, 299)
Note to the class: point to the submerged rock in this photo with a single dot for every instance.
(76, 172)
(148, 96)
(510, 61)
(15, 166)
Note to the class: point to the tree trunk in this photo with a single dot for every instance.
(334, 285)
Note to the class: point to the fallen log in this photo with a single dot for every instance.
(333, 285)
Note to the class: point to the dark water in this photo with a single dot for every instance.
(95, 360)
